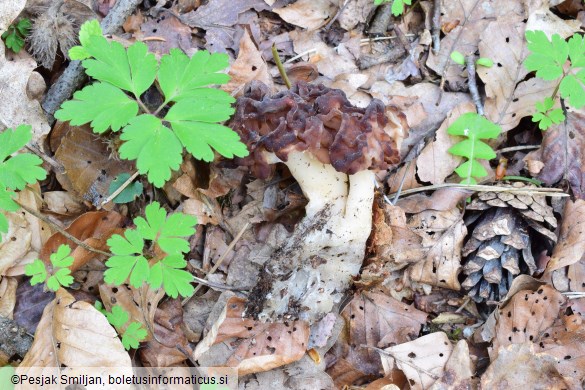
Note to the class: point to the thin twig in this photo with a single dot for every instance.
(472, 83)
(280, 67)
(395, 200)
(118, 191)
(220, 286)
(59, 168)
(483, 188)
(436, 26)
(515, 148)
(62, 231)
(220, 260)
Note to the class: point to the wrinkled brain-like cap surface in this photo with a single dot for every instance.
(316, 119)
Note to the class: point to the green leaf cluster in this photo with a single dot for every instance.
(192, 108)
(167, 234)
(16, 170)
(118, 318)
(548, 59)
(546, 115)
(397, 5)
(475, 128)
(60, 274)
(16, 34)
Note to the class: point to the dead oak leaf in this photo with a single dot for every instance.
(255, 346)
(563, 153)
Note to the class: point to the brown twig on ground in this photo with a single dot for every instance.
(59, 229)
(472, 83)
(436, 26)
(381, 21)
(57, 166)
(385, 52)
(553, 192)
(118, 191)
(14, 339)
(74, 75)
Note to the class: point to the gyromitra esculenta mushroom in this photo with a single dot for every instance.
(333, 150)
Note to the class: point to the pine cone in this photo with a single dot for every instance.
(505, 230)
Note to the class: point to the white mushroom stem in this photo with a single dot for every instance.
(317, 264)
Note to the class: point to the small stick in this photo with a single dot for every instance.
(62, 231)
(483, 188)
(280, 67)
(118, 191)
(220, 260)
(401, 184)
(472, 82)
(57, 166)
(515, 148)
(436, 26)
(220, 286)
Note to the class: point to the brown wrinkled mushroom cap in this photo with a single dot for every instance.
(317, 119)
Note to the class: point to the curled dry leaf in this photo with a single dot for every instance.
(519, 364)
(422, 360)
(75, 334)
(93, 228)
(17, 107)
(372, 319)
(563, 153)
(571, 244)
(89, 163)
(169, 347)
(247, 67)
(255, 346)
(7, 296)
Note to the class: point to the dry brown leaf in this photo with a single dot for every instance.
(258, 346)
(563, 153)
(519, 364)
(88, 161)
(566, 342)
(62, 202)
(169, 347)
(139, 303)
(329, 61)
(354, 13)
(309, 14)
(443, 233)
(434, 163)
(169, 32)
(422, 360)
(7, 296)
(515, 321)
(75, 334)
(473, 17)
(373, 319)
(392, 240)
(542, 18)
(16, 71)
(571, 244)
(247, 67)
(458, 370)
(93, 228)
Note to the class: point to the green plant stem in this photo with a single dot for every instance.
(59, 229)
(142, 105)
(280, 67)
